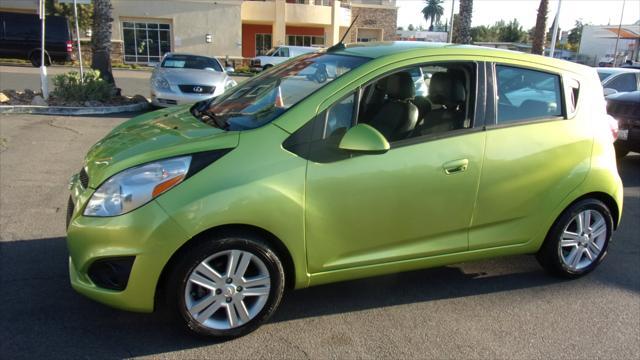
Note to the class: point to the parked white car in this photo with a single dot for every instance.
(277, 55)
(185, 78)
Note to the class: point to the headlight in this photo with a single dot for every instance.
(159, 82)
(230, 84)
(134, 187)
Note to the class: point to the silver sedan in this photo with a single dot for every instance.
(184, 78)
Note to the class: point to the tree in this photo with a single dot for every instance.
(540, 29)
(433, 11)
(101, 39)
(575, 34)
(85, 13)
(411, 27)
(463, 26)
(512, 32)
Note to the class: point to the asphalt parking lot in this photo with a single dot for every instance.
(504, 308)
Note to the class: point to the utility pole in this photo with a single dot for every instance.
(555, 30)
(453, 5)
(615, 52)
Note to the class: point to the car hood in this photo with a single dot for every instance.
(153, 136)
(192, 76)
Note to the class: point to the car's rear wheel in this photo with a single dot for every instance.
(227, 287)
(578, 240)
(267, 67)
(36, 57)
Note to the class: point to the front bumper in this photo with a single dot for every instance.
(148, 234)
(630, 140)
(171, 97)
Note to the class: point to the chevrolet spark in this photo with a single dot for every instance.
(292, 180)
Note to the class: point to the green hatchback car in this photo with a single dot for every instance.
(353, 162)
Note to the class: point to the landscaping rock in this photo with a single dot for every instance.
(38, 100)
(4, 98)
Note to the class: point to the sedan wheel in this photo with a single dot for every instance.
(227, 289)
(582, 240)
(578, 240)
(226, 286)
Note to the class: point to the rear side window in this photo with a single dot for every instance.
(623, 83)
(525, 95)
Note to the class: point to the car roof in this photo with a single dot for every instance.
(421, 48)
(185, 54)
(616, 70)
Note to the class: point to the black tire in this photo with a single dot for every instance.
(266, 67)
(549, 255)
(35, 59)
(177, 281)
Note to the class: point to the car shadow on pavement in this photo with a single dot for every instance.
(42, 316)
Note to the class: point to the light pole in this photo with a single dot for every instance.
(555, 30)
(43, 69)
(615, 52)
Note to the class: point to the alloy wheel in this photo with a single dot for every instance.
(227, 290)
(582, 240)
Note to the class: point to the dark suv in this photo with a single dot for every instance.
(20, 38)
(625, 107)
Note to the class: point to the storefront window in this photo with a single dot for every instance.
(305, 40)
(145, 42)
(263, 44)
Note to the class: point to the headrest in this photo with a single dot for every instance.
(399, 86)
(446, 88)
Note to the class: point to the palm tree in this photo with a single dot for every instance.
(540, 29)
(433, 11)
(101, 39)
(464, 27)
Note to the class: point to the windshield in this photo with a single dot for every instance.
(190, 62)
(265, 97)
(272, 51)
(604, 74)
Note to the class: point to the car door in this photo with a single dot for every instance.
(413, 201)
(536, 154)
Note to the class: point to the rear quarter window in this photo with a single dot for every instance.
(525, 94)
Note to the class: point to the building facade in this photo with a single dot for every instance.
(144, 30)
(598, 44)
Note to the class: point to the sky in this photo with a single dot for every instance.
(487, 12)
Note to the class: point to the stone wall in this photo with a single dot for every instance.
(375, 18)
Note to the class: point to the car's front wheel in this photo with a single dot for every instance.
(579, 239)
(227, 286)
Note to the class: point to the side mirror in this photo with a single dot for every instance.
(229, 69)
(610, 91)
(364, 138)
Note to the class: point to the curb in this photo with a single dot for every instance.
(70, 110)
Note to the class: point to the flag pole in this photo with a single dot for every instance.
(615, 52)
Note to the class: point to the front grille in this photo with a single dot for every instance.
(167, 101)
(70, 208)
(197, 89)
(84, 178)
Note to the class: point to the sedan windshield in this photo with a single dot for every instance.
(267, 96)
(604, 74)
(190, 62)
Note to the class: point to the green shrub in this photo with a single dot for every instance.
(70, 88)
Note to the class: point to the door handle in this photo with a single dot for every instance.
(455, 166)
